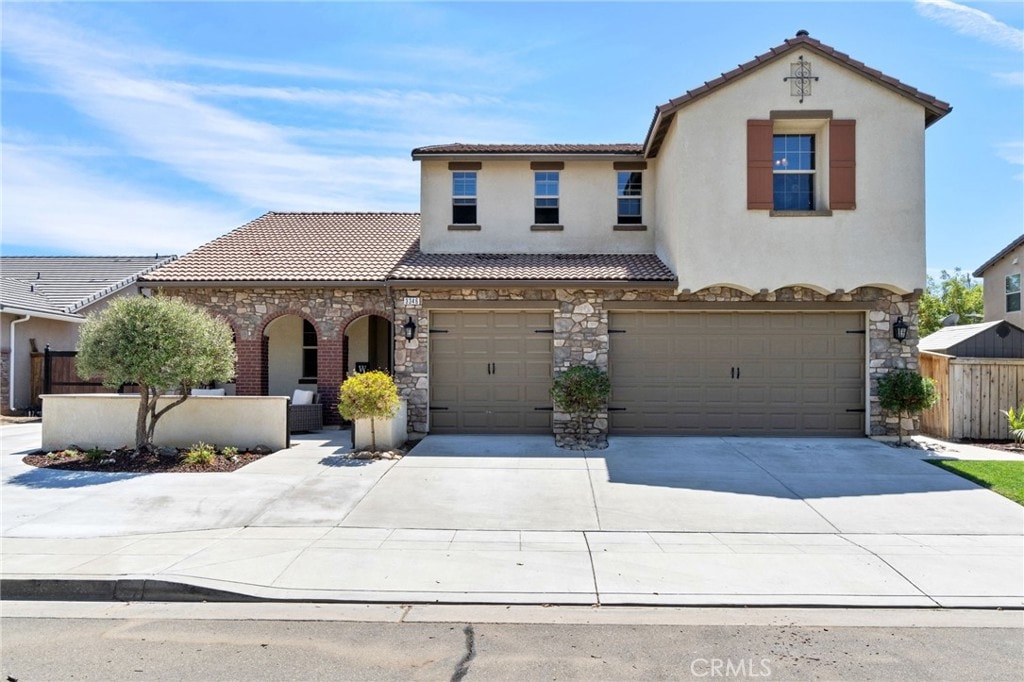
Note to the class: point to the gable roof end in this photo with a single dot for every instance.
(663, 115)
(980, 272)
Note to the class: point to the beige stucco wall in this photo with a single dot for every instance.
(708, 237)
(60, 335)
(284, 356)
(587, 209)
(108, 421)
(391, 433)
(995, 287)
(358, 349)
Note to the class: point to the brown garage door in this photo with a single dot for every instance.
(737, 373)
(490, 372)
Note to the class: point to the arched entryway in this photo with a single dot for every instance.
(369, 345)
(291, 349)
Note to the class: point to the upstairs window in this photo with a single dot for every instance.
(793, 172)
(629, 194)
(309, 358)
(1012, 293)
(545, 197)
(464, 197)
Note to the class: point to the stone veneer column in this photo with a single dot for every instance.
(581, 338)
(886, 354)
(411, 360)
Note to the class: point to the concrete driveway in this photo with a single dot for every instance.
(513, 520)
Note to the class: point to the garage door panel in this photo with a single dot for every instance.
(490, 369)
(798, 373)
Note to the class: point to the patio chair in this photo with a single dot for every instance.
(306, 412)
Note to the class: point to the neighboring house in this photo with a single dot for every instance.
(1002, 275)
(43, 302)
(739, 272)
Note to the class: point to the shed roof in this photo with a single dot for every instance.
(947, 339)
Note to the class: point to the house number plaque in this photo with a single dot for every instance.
(411, 300)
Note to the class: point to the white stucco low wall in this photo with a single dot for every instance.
(390, 432)
(108, 421)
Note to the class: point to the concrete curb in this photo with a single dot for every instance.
(114, 590)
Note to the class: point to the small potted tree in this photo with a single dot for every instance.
(369, 395)
(581, 392)
(906, 393)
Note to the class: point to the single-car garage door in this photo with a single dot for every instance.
(731, 373)
(490, 372)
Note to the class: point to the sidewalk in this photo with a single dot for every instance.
(309, 525)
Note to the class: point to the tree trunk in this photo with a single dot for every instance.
(141, 421)
(373, 435)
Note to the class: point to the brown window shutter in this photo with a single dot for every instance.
(842, 165)
(760, 194)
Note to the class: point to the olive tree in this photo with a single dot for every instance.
(369, 395)
(160, 344)
(905, 392)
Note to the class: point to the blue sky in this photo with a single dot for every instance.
(133, 128)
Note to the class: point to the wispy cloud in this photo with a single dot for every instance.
(153, 105)
(1012, 78)
(59, 206)
(1012, 152)
(972, 22)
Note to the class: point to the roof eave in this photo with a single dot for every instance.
(443, 156)
(45, 314)
(534, 283)
(999, 256)
(242, 283)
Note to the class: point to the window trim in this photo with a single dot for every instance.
(1015, 294)
(622, 195)
(310, 378)
(537, 197)
(456, 197)
(811, 173)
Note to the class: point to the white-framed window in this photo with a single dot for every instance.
(793, 171)
(464, 197)
(1013, 293)
(545, 197)
(629, 194)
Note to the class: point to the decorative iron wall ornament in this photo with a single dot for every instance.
(800, 78)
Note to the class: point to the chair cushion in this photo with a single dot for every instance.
(301, 397)
(207, 391)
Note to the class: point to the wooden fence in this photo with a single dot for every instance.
(972, 391)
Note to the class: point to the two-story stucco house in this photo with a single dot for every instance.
(1002, 276)
(740, 271)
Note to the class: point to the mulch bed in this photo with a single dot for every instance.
(128, 461)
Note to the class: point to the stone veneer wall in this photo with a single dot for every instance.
(330, 310)
(580, 323)
(581, 337)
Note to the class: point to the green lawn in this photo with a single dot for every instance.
(1004, 477)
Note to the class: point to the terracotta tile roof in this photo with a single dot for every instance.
(934, 108)
(980, 272)
(63, 285)
(596, 267)
(459, 148)
(301, 247)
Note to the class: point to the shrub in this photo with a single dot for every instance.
(201, 454)
(369, 395)
(905, 392)
(229, 451)
(1015, 419)
(580, 391)
(95, 454)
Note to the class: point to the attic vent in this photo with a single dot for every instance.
(492, 256)
(573, 256)
(1003, 330)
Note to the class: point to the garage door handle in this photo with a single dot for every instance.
(732, 372)
(737, 372)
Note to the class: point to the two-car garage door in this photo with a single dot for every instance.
(734, 373)
(695, 372)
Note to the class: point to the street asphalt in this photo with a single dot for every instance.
(515, 520)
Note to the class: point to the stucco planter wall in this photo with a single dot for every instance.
(108, 421)
(391, 433)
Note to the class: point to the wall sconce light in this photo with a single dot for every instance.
(899, 329)
(409, 329)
